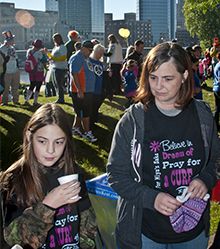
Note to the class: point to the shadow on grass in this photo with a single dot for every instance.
(92, 157)
(11, 140)
(117, 103)
(88, 157)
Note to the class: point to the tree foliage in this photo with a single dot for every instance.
(202, 19)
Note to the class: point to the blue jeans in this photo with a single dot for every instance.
(200, 242)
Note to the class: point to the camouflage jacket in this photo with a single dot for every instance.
(30, 226)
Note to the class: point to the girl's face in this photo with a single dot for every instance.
(165, 84)
(49, 143)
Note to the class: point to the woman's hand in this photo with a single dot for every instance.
(197, 188)
(62, 194)
(166, 204)
(45, 50)
(80, 94)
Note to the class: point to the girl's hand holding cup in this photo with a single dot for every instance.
(67, 192)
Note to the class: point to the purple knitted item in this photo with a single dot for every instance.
(188, 215)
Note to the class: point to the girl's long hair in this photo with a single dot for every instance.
(25, 177)
(158, 55)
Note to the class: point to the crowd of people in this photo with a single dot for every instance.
(164, 158)
(53, 69)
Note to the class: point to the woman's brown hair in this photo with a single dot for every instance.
(158, 55)
(25, 178)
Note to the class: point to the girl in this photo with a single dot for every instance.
(39, 213)
(129, 74)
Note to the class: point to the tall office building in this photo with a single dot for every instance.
(75, 14)
(97, 18)
(51, 5)
(162, 14)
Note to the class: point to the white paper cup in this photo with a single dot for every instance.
(68, 178)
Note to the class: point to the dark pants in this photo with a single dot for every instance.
(116, 78)
(50, 89)
(217, 108)
(59, 83)
(97, 102)
(35, 85)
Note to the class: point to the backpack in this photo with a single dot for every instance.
(30, 63)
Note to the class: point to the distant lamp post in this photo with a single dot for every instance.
(124, 33)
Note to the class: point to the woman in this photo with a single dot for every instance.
(115, 61)
(164, 148)
(40, 213)
(58, 62)
(36, 76)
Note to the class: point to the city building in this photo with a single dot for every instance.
(138, 29)
(27, 25)
(162, 15)
(75, 14)
(85, 16)
(97, 18)
(51, 5)
(182, 35)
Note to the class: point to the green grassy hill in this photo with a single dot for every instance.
(92, 157)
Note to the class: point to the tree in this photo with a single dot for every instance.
(202, 18)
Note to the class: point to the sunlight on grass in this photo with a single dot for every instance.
(89, 169)
(3, 131)
(214, 216)
(18, 109)
(7, 118)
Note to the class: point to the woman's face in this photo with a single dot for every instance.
(49, 143)
(165, 84)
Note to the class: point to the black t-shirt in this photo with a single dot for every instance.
(65, 232)
(173, 154)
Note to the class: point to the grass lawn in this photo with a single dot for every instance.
(92, 157)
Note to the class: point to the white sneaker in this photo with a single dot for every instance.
(90, 137)
(76, 132)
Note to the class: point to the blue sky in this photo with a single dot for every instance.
(117, 7)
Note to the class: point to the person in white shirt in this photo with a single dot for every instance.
(12, 74)
(115, 60)
(58, 60)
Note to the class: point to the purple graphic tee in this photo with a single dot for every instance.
(64, 234)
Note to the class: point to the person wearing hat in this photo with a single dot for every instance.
(58, 63)
(12, 74)
(73, 37)
(36, 76)
(82, 89)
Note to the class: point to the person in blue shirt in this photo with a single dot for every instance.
(216, 90)
(82, 89)
(98, 67)
(129, 74)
